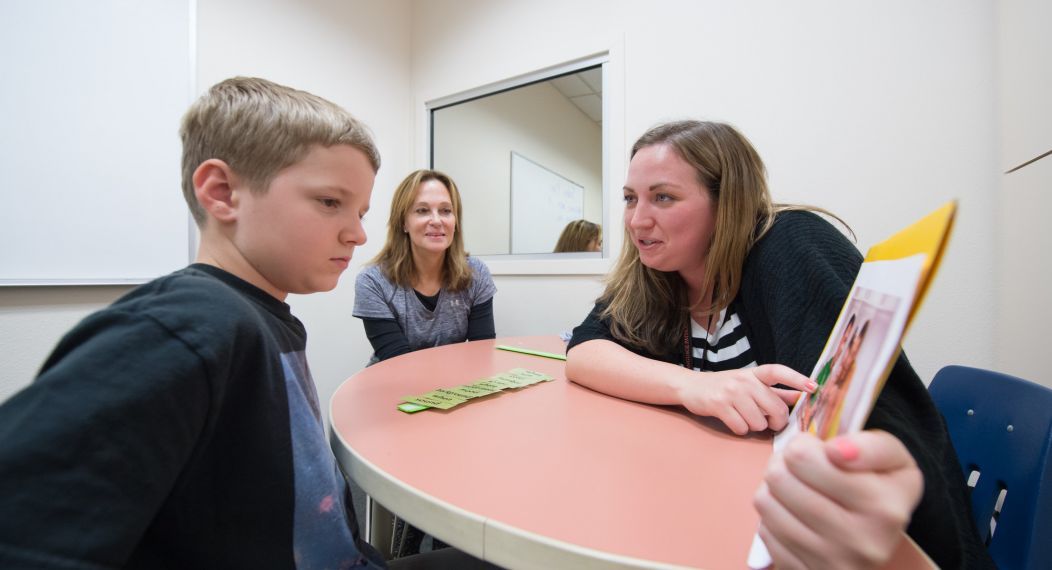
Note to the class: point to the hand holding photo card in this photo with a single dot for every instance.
(866, 338)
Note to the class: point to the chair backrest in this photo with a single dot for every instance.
(1001, 427)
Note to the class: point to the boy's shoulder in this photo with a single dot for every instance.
(204, 299)
(195, 289)
(199, 312)
(165, 330)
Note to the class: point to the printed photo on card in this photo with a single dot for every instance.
(865, 340)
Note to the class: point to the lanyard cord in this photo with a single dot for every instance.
(688, 351)
(688, 357)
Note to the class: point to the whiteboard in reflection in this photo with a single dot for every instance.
(542, 203)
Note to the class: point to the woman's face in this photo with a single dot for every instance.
(669, 214)
(595, 244)
(431, 222)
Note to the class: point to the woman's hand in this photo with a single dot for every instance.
(842, 503)
(745, 400)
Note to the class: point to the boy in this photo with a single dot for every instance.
(180, 428)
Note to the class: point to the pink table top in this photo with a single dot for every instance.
(551, 475)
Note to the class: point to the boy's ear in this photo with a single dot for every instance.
(214, 185)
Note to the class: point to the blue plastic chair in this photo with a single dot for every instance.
(1001, 427)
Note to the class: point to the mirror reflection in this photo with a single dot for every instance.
(528, 162)
(580, 235)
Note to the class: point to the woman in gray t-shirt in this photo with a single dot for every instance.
(422, 289)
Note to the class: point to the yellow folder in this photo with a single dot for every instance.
(928, 236)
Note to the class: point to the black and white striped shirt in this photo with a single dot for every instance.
(726, 349)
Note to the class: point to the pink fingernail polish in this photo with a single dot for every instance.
(811, 386)
(847, 448)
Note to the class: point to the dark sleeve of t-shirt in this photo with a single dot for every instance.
(795, 282)
(93, 446)
(591, 328)
(386, 336)
(480, 321)
(596, 327)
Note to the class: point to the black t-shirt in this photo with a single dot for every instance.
(177, 428)
(794, 282)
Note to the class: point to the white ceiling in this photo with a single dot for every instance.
(585, 90)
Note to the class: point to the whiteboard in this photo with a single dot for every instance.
(542, 203)
(89, 150)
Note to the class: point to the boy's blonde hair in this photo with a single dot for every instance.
(259, 127)
(396, 257)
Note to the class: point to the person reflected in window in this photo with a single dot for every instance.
(580, 235)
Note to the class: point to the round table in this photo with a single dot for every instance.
(553, 475)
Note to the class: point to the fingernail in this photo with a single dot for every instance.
(812, 386)
(846, 448)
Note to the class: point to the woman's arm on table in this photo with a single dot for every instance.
(744, 400)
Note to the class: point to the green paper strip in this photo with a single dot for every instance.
(522, 380)
(472, 391)
(505, 382)
(529, 375)
(446, 398)
(491, 384)
(411, 408)
(530, 351)
(426, 400)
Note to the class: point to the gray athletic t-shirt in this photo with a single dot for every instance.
(375, 297)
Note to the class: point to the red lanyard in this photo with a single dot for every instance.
(688, 356)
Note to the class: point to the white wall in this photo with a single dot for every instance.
(473, 143)
(353, 53)
(879, 112)
(876, 111)
(33, 319)
(1024, 270)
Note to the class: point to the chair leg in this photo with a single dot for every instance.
(379, 527)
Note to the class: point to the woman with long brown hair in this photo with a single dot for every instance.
(720, 302)
(423, 289)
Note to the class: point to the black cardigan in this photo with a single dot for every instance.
(794, 283)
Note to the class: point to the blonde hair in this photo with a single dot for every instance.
(396, 257)
(649, 308)
(258, 128)
(577, 236)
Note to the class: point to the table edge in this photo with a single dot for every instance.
(477, 535)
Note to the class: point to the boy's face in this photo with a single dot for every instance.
(299, 236)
